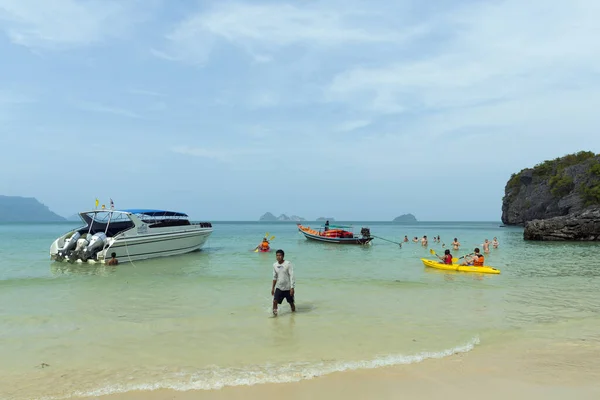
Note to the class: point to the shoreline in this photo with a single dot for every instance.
(531, 369)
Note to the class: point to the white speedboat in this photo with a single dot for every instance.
(134, 234)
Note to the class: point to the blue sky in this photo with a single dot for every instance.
(351, 109)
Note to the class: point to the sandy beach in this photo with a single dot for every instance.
(530, 370)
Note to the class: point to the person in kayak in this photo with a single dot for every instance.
(447, 259)
(475, 259)
(264, 246)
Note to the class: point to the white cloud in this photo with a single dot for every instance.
(59, 24)
(222, 155)
(10, 97)
(491, 52)
(11, 102)
(263, 99)
(145, 92)
(101, 108)
(260, 29)
(349, 126)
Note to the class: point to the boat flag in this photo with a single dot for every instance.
(112, 205)
(97, 201)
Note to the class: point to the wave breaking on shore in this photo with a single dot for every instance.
(218, 377)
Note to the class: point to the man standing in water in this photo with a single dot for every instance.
(283, 282)
(495, 243)
(455, 244)
(486, 246)
(113, 259)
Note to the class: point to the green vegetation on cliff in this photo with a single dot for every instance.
(561, 183)
(591, 193)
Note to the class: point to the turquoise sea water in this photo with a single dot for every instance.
(202, 320)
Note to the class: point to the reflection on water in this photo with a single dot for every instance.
(66, 268)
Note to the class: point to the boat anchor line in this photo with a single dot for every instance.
(387, 240)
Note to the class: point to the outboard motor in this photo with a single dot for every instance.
(82, 243)
(365, 232)
(70, 243)
(96, 243)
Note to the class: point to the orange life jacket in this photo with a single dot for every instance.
(265, 245)
(479, 261)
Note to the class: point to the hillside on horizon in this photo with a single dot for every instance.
(26, 209)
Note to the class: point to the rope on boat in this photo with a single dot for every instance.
(128, 256)
(387, 240)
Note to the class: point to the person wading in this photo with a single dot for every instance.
(283, 282)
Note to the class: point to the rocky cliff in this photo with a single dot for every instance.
(553, 188)
(557, 199)
(583, 225)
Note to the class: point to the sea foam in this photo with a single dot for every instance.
(218, 377)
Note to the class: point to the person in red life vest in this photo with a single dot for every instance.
(447, 259)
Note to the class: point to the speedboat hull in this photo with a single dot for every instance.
(161, 245)
(132, 235)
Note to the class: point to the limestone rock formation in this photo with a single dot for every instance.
(582, 225)
(270, 217)
(556, 200)
(553, 188)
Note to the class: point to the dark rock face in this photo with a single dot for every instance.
(529, 196)
(582, 225)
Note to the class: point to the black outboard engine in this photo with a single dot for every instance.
(365, 232)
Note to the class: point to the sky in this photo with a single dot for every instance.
(357, 110)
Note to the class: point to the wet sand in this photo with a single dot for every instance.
(529, 370)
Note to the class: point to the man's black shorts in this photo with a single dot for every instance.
(283, 294)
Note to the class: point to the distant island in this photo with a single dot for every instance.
(74, 217)
(25, 209)
(268, 217)
(330, 219)
(405, 218)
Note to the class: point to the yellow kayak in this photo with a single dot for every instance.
(463, 268)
